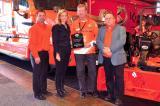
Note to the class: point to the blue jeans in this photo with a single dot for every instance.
(87, 83)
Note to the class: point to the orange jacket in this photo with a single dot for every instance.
(89, 31)
(39, 38)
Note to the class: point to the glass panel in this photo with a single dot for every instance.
(71, 4)
(24, 3)
(49, 4)
(158, 8)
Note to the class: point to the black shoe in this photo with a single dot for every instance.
(60, 93)
(118, 102)
(47, 93)
(64, 91)
(94, 94)
(108, 98)
(82, 95)
(40, 97)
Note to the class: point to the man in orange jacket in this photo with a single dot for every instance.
(89, 29)
(39, 44)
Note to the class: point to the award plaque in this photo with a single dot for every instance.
(77, 40)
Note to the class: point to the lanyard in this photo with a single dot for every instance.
(81, 28)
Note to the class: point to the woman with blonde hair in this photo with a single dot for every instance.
(62, 49)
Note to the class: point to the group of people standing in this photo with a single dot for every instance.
(110, 40)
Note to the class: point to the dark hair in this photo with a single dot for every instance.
(40, 10)
(82, 5)
(110, 12)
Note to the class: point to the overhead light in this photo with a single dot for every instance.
(150, 16)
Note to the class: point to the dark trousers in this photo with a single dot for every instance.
(114, 79)
(61, 68)
(40, 73)
(86, 83)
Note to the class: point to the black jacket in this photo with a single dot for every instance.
(61, 37)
